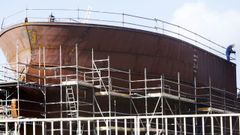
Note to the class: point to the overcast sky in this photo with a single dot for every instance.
(218, 20)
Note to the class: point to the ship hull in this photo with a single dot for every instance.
(39, 45)
(128, 49)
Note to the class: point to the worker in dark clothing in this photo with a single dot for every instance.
(51, 18)
(229, 50)
(26, 20)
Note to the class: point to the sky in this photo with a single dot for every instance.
(218, 20)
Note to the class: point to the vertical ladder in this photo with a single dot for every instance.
(73, 107)
(71, 102)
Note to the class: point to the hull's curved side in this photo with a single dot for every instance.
(10, 39)
(127, 48)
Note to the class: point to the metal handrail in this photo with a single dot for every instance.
(125, 20)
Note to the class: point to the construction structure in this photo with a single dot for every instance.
(109, 79)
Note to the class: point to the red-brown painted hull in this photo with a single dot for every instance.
(128, 49)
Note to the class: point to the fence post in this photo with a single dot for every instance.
(203, 126)
(123, 17)
(2, 23)
(194, 126)
(212, 125)
(221, 124)
(230, 125)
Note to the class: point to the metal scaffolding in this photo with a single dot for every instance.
(99, 90)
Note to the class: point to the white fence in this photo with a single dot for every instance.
(220, 124)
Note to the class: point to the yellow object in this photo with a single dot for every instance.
(204, 109)
(14, 108)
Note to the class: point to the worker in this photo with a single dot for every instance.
(51, 18)
(26, 20)
(229, 50)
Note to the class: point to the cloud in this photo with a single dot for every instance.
(222, 27)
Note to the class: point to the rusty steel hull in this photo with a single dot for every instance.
(128, 49)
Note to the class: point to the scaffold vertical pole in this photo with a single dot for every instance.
(109, 93)
(92, 67)
(93, 101)
(45, 81)
(39, 65)
(162, 102)
(195, 104)
(179, 86)
(130, 94)
(224, 100)
(130, 89)
(77, 81)
(210, 93)
(129, 82)
(145, 90)
(93, 90)
(17, 64)
(195, 93)
(179, 101)
(44, 65)
(61, 88)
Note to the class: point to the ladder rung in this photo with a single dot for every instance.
(70, 91)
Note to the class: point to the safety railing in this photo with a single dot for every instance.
(115, 19)
(221, 100)
(7, 73)
(121, 83)
(13, 72)
(135, 125)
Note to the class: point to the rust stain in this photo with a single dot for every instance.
(32, 37)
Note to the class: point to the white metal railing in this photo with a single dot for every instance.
(6, 73)
(115, 19)
(206, 124)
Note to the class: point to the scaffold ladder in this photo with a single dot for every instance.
(71, 101)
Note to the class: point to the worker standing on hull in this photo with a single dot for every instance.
(229, 50)
(51, 18)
